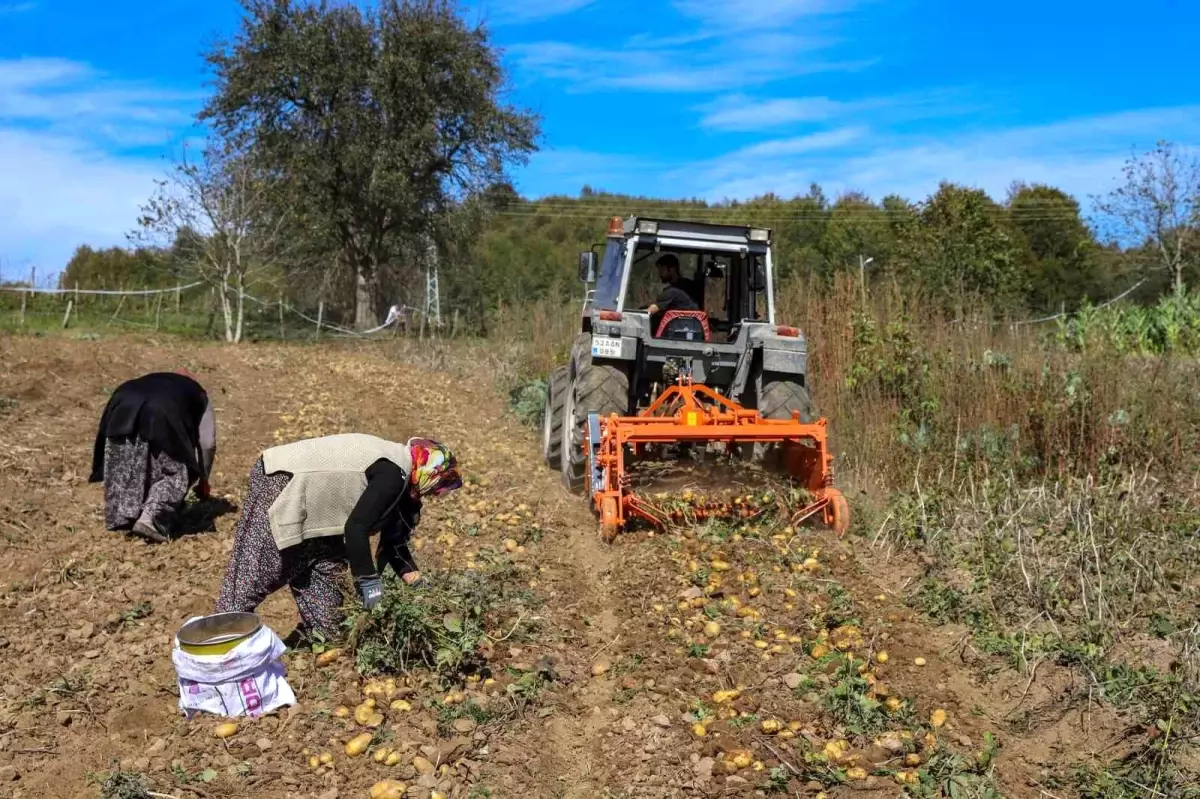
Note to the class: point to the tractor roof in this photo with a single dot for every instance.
(697, 231)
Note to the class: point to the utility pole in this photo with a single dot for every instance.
(862, 279)
(433, 297)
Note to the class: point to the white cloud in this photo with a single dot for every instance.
(1082, 156)
(677, 68)
(78, 155)
(16, 8)
(515, 12)
(741, 15)
(57, 193)
(69, 97)
(715, 54)
(741, 113)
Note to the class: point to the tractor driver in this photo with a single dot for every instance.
(677, 291)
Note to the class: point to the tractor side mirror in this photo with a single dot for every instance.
(587, 267)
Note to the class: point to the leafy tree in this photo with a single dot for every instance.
(219, 214)
(1158, 205)
(377, 120)
(116, 268)
(962, 249)
(1060, 258)
(857, 228)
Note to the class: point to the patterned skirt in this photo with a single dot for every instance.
(139, 481)
(314, 570)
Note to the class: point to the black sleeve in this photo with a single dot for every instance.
(386, 484)
(394, 538)
(97, 474)
(674, 298)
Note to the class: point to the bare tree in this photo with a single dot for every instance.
(1159, 204)
(217, 213)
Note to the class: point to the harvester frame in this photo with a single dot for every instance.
(688, 413)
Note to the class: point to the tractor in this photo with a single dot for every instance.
(727, 367)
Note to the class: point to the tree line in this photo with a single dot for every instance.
(352, 147)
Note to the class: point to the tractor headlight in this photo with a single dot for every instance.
(649, 228)
(759, 234)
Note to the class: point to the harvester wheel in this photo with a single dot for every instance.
(608, 520)
(552, 416)
(837, 512)
(599, 388)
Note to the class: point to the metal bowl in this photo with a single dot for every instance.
(217, 634)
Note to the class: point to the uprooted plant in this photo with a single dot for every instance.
(443, 625)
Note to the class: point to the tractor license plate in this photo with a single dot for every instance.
(606, 347)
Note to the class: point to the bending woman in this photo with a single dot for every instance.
(157, 438)
(311, 509)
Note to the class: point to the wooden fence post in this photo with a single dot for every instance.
(157, 311)
(177, 292)
(67, 315)
(24, 299)
(282, 335)
(320, 317)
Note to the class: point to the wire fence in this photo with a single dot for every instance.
(194, 309)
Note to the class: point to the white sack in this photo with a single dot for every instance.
(248, 680)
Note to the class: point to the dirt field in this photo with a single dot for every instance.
(87, 618)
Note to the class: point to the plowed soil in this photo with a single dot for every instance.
(87, 618)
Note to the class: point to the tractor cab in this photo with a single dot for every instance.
(726, 281)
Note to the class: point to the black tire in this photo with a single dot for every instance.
(777, 400)
(598, 388)
(780, 397)
(552, 416)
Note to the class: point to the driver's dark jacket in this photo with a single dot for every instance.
(673, 298)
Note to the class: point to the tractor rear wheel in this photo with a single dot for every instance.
(598, 388)
(552, 416)
(777, 401)
(781, 397)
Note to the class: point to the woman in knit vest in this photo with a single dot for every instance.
(311, 508)
(157, 437)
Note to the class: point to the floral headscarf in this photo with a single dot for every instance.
(435, 470)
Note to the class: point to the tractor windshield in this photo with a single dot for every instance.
(728, 286)
(608, 282)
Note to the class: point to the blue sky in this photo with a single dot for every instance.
(677, 98)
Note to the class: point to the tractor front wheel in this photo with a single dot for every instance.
(598, 388)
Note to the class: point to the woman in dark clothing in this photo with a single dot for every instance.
(157, 438)
(311, 508)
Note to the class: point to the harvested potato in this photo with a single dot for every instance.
(856, 773)
(328, 656)
(388, 789)
(919, 661)
(225, 730)
(381, 754)
(699, 730)
(712, 629)
(392, 759)
(599, 667)
(719, 566)
(314, 762)
(326, 758)
(341, 712)
(358, 744)
(401, 706)
(771, 726)
(881, 656)
(422, 765)
(720, 697)
(937, 718)
(742, 759)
